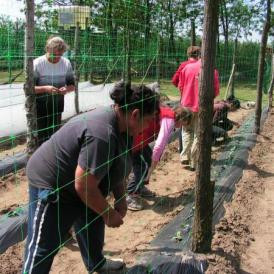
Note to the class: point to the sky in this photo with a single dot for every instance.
(12, 8)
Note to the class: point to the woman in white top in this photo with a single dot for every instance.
(53, 76)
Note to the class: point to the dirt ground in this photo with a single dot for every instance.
(170, 181)
(244, 239)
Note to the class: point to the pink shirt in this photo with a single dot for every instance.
(167, 126)
(189, 85)
(176, 77)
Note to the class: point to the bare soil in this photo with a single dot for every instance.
(244, 241)
(171, 183)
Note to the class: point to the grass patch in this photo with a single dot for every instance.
(243, 91)
(5, 76)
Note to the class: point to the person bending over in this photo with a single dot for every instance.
(71, 174)
(144, 159)
(221, 123)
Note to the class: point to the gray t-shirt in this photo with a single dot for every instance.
(91, 140)
(57, 75)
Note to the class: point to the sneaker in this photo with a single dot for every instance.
(185, 162)
(111, 266)
(145, 192)
(189, 168)
(134, 203)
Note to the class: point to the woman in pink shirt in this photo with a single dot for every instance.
(144, 159)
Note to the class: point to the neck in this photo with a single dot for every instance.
(121, 119)
(50, 59)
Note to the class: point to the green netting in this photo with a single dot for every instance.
(137, 41)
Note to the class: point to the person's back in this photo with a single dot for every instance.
(65, 149)
(176, 77)
(189, 85)
(193, 53)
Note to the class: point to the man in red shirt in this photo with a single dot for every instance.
(189, 88)
(193, 53)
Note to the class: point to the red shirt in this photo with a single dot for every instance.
(176, 76)
(219, 107)
(189, 85)
(150, 133)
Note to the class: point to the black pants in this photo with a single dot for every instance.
(49, 115)
(180, 140)
(47, 125)
(141, 162)
(49, 219)
(220, 128)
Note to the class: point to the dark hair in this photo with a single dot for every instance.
(183, 114)
(194, 51)
(129, 97)
(234, 102)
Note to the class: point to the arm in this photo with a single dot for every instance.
(86, 186)
(216, 83)
(120, 203)
(46, 89)
(167, 125)
(70, 81)
(181, 81)
(175, 78)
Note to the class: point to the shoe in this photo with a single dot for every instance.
(145, 192)
(134, 203)
(111, 266)
(189, 168)
(185, 162)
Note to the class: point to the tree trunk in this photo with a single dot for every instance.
(218, 42)
(204, 191)
(159, 60)
(258, 110)
(127, 63)
(270, 91)
(270, 94)
(193, 34)
(87, 50)
(147, 33)
(232, 90)
(76, 67)
(171, 42)
(224, 20)
(30, 104)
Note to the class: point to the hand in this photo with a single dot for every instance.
(152, 167)
(237, 124)
(121, 207)
(51, 89)
(112, 218)
(63, 90)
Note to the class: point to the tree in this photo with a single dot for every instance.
(29, 84)
(204, 190)
(260, 76)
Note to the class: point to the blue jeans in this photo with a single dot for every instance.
(141, 162)
(50, 218)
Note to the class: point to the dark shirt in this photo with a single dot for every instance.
(91, 140)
